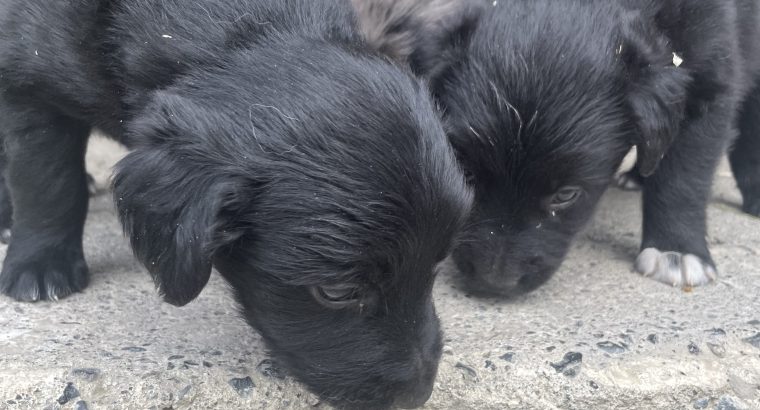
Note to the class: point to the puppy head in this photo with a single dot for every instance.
(326, 205)
(541, 113)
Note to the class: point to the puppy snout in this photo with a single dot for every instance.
(497, 271)
(419, 390)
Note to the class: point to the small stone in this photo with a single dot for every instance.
(593, 385)
(490, 365)
(725, 403)
(69, 392)
(269, 368)
(242, 386)
(507, 357)
(86, 373)
(170, 366)
(176, 357)
(569, 364)
(467, 369)
(611, 347)
(754, 340)
(551, 348)
(693, 348)
(717, 349)
(216, 353)
(190, 363)
(754, 322)
(81, 405)
(702, 403)
(717, 332)
(182, 393)
(653, 338)
(134, 349)
(207, 364)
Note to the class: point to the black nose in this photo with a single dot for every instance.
(493, 274)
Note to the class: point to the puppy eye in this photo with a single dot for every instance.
(565, 198)
(336, 296)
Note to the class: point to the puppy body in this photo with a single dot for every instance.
(544, 98)
(267, 141)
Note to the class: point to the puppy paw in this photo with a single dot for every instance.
(675, 268)
(49, 278)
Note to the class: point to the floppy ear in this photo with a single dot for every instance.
(429, 35)
(170, 195)
(657, 89)
(170, 214)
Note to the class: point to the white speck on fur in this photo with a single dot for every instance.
(677, 60)
(166, 36)
(276, 109)
(36, 53)
(511, 107)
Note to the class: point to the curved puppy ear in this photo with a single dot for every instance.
(169, 213)
(429, 35)
(170, 195)
(658, 88)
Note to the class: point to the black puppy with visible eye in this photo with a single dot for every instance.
(544, 98)
(268, 141)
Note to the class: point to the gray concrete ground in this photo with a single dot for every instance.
(626, 341)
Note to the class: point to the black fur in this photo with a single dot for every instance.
(544, 94)
(268, 142)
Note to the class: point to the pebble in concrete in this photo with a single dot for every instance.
(69, 392)
(243, 385)
(569, 365)
(754, 340)
(509, 357)
(611, 347)
(88, 374)
(726, 403)
(467, 370)
(269, 368)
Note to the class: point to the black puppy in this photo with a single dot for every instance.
(544, 98)
(267, 141)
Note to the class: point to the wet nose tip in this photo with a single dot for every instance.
(419, 390)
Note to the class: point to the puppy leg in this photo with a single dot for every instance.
(745, 157)
(674, 247)
(48, 184)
